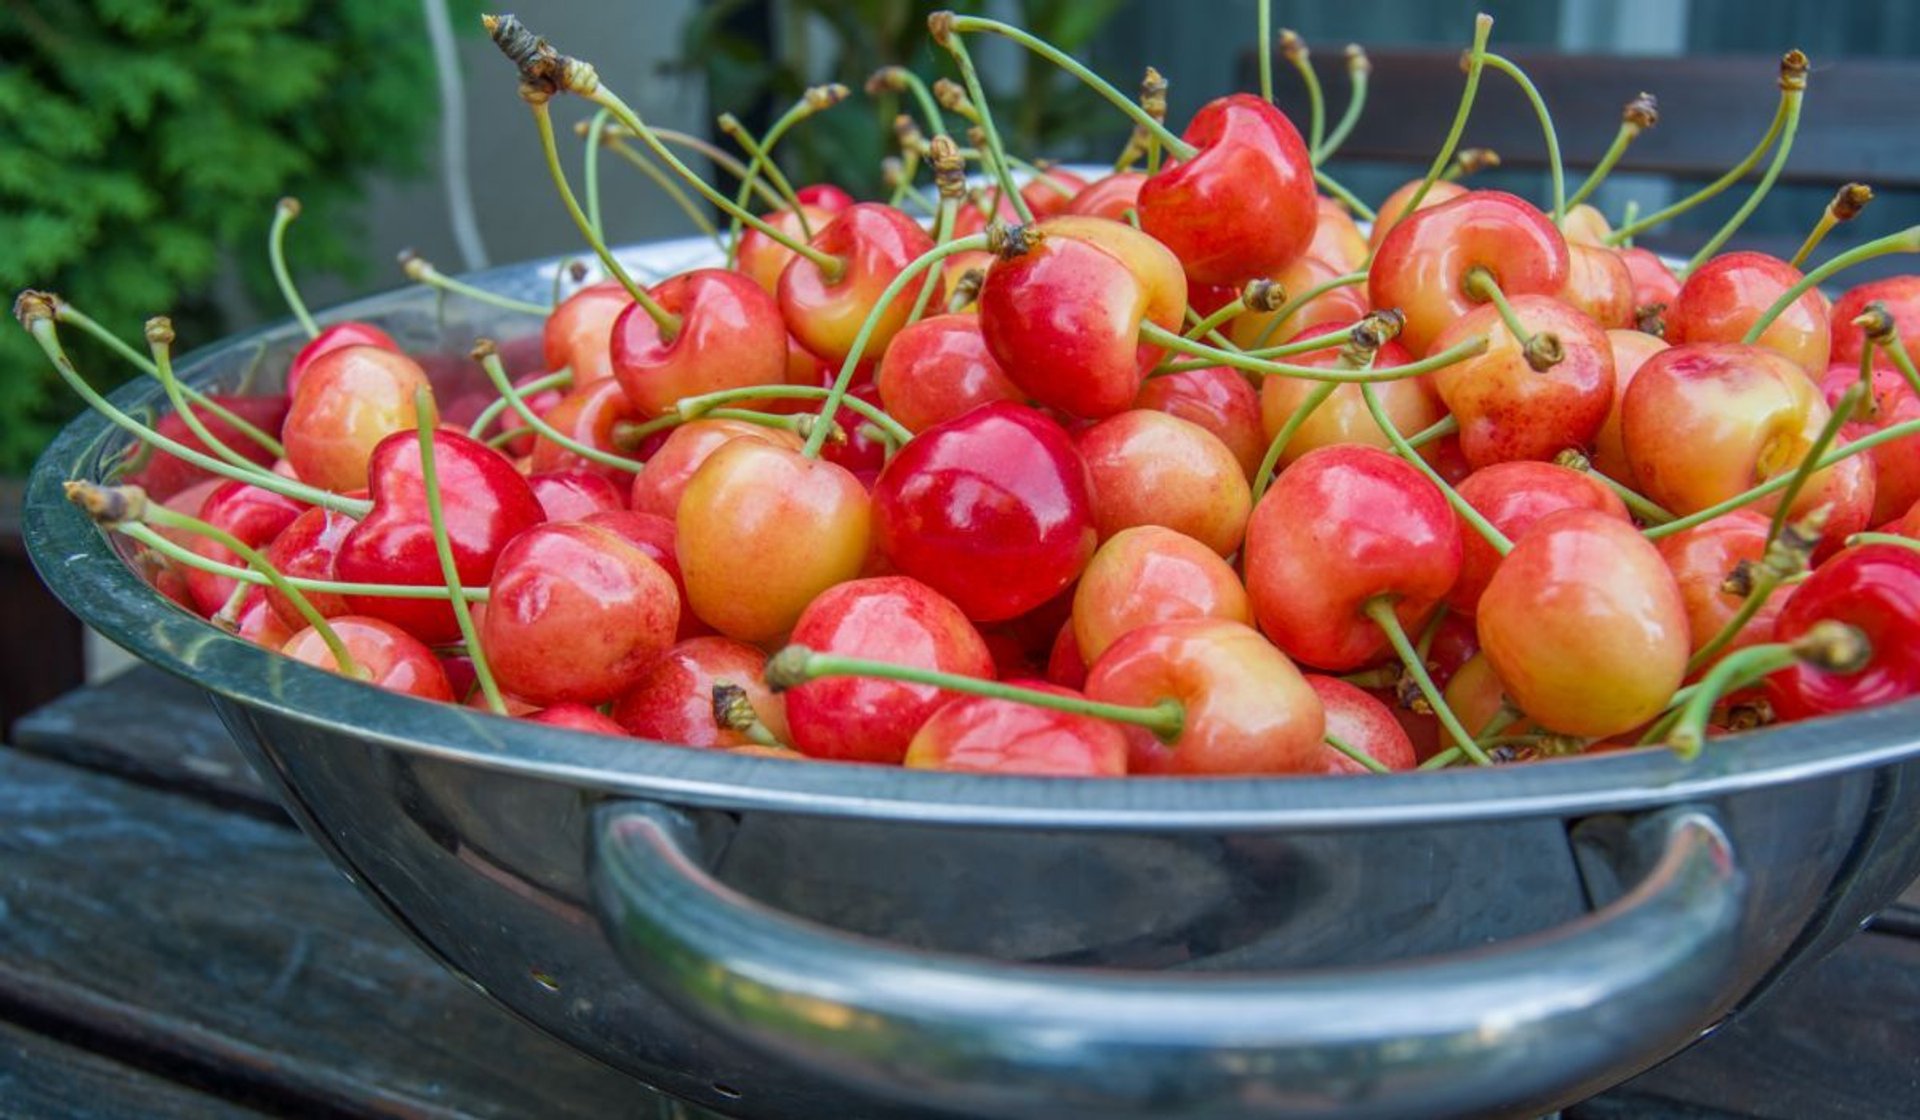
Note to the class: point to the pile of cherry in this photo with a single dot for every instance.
(1171, 471)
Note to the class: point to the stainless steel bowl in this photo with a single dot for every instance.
(778, 939)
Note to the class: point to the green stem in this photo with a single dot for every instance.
(1461, 506)
(1765, 580)
(942, 233)
(502, 384)
(757, 162)
(423, 272)
(1884, 538)
(923, 97)
(1902, 241)
(492, 412)
(590, 169)
(996, 150)
(1293, 305)
(1359, 756)
(672, 187)
(283, 216)
(1264, 474)
(1621, 140)
(1346, 197)
(1792, 99)
(1480, 284)
(1476, 62)
(1265, 41)
(1734, 671)
(1842, 412)
(1439, 429)
(1625, 234)
(798, 664)
(1301, 59)
(1358, 72)
(1211, 323)
(693, 408)
(1460, 351)
(160, 342)
(1380, 610)
(1554, 169)
(443, 547)
(189, 558)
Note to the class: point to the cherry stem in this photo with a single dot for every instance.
(153, 514)
(1643, 507)
(420, 270)
(1209, 325)
(693, 408)
(733, 711)
(667, 184)
(1293, 305)
(994, 149)
(41, 325)
(812, 101)
(1846, 204)
(1488, 735)
(1625, 234)
(1359, 756)
(618, 135)
(667, 323)
(1903, 241)
(1459, 351)
(1765, 579)
(283, 215)
(1843, 410)
(1297, 346)
(1884, 538)
(1555, 171)
(892, 292)
(1779, 482)
(443, 547)
(1640, 114)
(1294, 49)
(1827, 645)
(160, 343)
(1439, 429)
(1346, 197)
(1264, 474)
(1359, 68)
(1405, 450)
(502, 384)
(899, 78)
(1181, 150)
(1264, 37)
(1476, 62)
(189, 558)
(796, 665)
(1479, 283)
(1380, 610)
(492, 412)
(1793, 99)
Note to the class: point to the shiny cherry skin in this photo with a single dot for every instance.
(257, 622)
(1654, 285)
(1631, 349)
(1599, 284)
(255, 516)
(1343, 417)
(825, 196)
(1109, 197)
(1726, 295)
(163, 475)
(1247, 709)
(1388, 214)
(1337, 239)
(1336, 305)
(1585, 625)
(1476, 695)
(993, 510)
(762, 259)
(590, 414)
(1507, 409)
(1152, 468)
(539, 403)
(938, 369)
(576, 717)
(575, 494)
(1876, 589)
(673, 700)
(306, 548)
(658, 486)
(979, 735)
(655, 536)
(1218, 399)
(1514, 497)
(486, 504)
(1340, 527)
(1063, 318)
(1251, 162)
(1051, 192)
(1151, 574)
(761, 530)
(1896, 465)
(731, 336)
(875, 242)
(339, 336)
(578, 334)
(390, 657)
(1701, 559)
(889, 618)
(1901, 297)
(1360, 721)
(1422, 265)
(349, 400)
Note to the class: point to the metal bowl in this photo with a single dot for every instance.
(776, 939)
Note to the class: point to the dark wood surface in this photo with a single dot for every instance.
(168, 942)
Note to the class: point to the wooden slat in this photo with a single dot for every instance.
(42, 1078)
(225, 945)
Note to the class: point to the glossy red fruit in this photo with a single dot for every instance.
(1360, 721)
(672, 702)
(578, 334)
(1151, 574)
(1109, 197)
(1218, 399)
(940, 368)
(876, 243)
(1343, 416)
(992, 510)
(1900, 295)
(1701, 560)
(1876, 589)
(257, 622)
(163, 475)
(1509, 410)
(1422, 265)
(893, 619)
(336, 337)
(979, 735)
(347, 402)
(1388, 214)
(1245, 206)
(306, 549)
(762, 259)
(1896, 465)
(1339, 305)
(1728, 294)
(255, 516)
(1051, 192)
(1513, 497)
(654, 535)
(1654, 284)
(1599, 284)
(731, 336)
(576, 717)
(658, 485)
(570, 495)
(1631, 349)
(1151, 468)
(390, 657)
(589, 414)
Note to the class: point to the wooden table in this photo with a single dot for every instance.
(171, 947)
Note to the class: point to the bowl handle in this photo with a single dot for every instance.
(1517, 1025)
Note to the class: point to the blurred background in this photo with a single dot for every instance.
(143, 144)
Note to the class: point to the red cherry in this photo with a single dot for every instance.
(1701, 559)
(938, 369)
(654, 535)
(1901, 297)
(1343, 417)
(1051, 192)
(1109, 197)
(1387, 215)
(1219, 400)
(1631, 349)
(1599, 284)
(991, 510)
(1151, 574)
(731, 336)
(576, 717)
(1728, 294)
(1422, 265)
(578, 334)
(824, 195)
(1360, 721)
(658, 486)
(1874, 588)
(589, 414)
(575, 494)
(163, 475)
(1337, 240)
(1896, 465)
(306, 548)
(336, 337)
(762, 259)
(348, 401)
(1509, 410)
(255, 516)
(1251, 162)
(1151, 468)
(392, 658)
(672, 702)
(986, 736)
(257, 622)
(1342, 305)
(1654, 284)
(1512, 497)
(875, 243)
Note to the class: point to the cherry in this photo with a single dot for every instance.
(1655, 287)
(1896, 464)
(1150, 574)
(1108, 197)
(259, 623)
(875, 243)
(654, 535)
(574, 494)
(762, 259)
(1066, 666)
(890, 618)
(1339, 303)
(1585, 625)
(1631, 349)
(1900, 295)
(983, 735)
(673, 701)
(1251, 161)
(1600, 285)
(163, 475)
(659, 485)
(1513, 497)
(592, 414)
(1729, 293)
(991, 509)
(1363, 723)
(1151, 468)
(1509, 406)
(306, 548)
(387, 656)
(1388, 214)
(576, 717)
(730, 336)
(939, 368)
(1703, 560)
(1422, 265)
(349, 400)
(1051, 192)
(336, 337)
(1216, 398)
(1876, 589)
(825, 196)
(1336, 239)
(1342, 416)
(255, 516)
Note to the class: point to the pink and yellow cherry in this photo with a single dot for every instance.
(306, 548)
(893, 619)
(578, 334)
(1655, 287)
(1476, 696)
(1152, 468)
(1631, 349)
(387, 656)
(1900, 295)
(1339, 529)
(255, 516)
(730, 335)
(991, 510)
(983, 735)
(1063, 318)
(591, 414)
(1422, 266)
(1599, 284)
(1342, 416)
(1218, 399)
(1251, 162)
(938, 369)
(673, 700)
(1513, 497)
(571, 495)
(1066, 665)
(659, 484)
(1337, 240)
(1585, 225)
(1151, 574)
(762, 259)
(539, 402)
(336, 337)
(1389, 212)
(1244, 708)
(1109, 197)
(574, 614)
(1507, 408)
(485, 501)
(761, 530)
(576, 717)
(874, 244)
(1729, 293)
(1343, 304)
(349, 400)
(1585, 625)
(1702, 560)
(1363, 723)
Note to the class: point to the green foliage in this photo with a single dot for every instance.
(1042, 112)
(141, 141)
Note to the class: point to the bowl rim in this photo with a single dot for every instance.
(81, 566)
